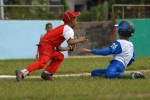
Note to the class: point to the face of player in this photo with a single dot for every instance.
(49, 27)
(74, 22)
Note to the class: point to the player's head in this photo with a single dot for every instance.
(48, 27)
(69, 17)
(126, 28)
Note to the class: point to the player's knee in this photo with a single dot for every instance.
(60, 57)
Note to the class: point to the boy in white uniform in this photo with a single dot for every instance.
(123, 54)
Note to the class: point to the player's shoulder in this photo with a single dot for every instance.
(67, 28)
(123, 42)
(119, 40)
(116, 42)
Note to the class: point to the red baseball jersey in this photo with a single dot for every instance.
(58, 35)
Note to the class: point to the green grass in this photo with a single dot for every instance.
(75, 88)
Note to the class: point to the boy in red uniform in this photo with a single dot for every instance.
(47, 45)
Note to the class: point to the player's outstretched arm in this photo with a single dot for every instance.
(104, 51)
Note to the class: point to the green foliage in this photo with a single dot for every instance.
(94, 14)
(128, 2)
(66, 7)
(45, 13)
(29, 13)
(12, 13)
(41, 1)
(12, 2)
(130, 12)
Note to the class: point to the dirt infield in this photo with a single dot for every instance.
(63, 75)
(90, 56)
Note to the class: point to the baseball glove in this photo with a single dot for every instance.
(72, 47)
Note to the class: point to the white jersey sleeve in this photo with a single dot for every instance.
(68, 33)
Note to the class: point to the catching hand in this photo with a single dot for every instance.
(82, 39)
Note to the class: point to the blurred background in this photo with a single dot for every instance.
(23, 21)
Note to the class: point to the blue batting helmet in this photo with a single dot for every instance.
(126, 28)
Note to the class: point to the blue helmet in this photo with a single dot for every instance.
(126, 28)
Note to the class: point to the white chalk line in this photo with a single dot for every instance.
(62, 75)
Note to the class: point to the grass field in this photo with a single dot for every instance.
(75, 88)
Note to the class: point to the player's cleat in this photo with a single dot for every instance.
(19, 75)
(137, 75)
(46, 76)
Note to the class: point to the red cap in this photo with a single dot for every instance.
(69, 15)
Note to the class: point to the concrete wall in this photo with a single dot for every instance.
(18, 38)
(99, 34)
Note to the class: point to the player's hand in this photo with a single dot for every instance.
(85, 50)
(82, 39)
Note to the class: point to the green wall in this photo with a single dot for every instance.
(141, 37)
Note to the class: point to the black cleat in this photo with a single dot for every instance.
(19, 75)
(46, 76)
(137, 75)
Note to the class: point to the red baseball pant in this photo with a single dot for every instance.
(47, 52)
